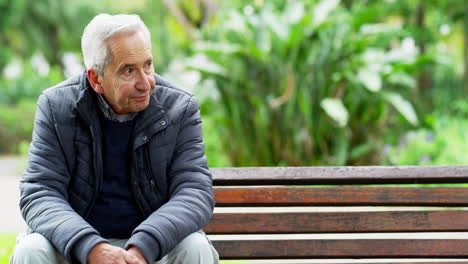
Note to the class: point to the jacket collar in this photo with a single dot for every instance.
(86, 105)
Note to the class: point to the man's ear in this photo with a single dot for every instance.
(95, 80)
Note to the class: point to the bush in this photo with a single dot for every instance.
(18, 96)
(7, 243)
(28, 85)
(445, 144)
(213, 148)
(306, 84)
(16, 125)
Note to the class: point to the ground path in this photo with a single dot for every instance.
(11, 168)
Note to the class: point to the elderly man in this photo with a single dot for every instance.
(116, 171)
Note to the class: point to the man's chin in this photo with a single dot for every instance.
(141, 106)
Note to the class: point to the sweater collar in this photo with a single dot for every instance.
(110, 114)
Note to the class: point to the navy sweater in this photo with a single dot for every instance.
(115, 213)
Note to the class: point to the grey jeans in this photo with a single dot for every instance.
(36, 249)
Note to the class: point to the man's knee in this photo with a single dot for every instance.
(197, 249)
(33, 248)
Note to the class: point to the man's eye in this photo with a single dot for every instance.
(128, 70)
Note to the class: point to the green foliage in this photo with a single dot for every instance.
(217, 157)
(18, 105)
(447, 90)
(7, 243)
(8, 21)
(446, 144)
(46, 26)
(16, 125)
(300, 82)
(28, 85)
(306, 84)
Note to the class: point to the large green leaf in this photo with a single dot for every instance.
(294, 12)
(371, 79)
(403, 106)
(323, 9)
(341, 147)
(235, 22)
(217, 47)
(336, 110)
(402, 78)
(331, 59)
(361, 150)
(204, 64)
(379, 28)
(276, 25)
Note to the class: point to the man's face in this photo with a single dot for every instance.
(128, 80)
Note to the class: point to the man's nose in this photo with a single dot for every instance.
(143, 82)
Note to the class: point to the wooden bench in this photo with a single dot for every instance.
(272, 215)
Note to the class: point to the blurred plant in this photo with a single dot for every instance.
(16, 124)
(460, 108)
(46, 26)
(207, 96)
(19, 92)
(27, 83)
(214, 151)
(307, 84)
(446, 144)
(7, 243)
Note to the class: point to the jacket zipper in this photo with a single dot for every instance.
(134, 180)
(149, 169)
(98, 171)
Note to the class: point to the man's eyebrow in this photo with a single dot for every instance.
(126, 66)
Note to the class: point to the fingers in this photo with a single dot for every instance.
(121, 261)
(131, 259)
(119, 256)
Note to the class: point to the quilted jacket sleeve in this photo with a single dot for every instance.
(43, 201)
(191, 203)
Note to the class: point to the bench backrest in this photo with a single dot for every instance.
(275, 213)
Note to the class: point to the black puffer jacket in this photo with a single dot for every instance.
(171, 181)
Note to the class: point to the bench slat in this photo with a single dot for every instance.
(324, 234)
(300, 196)
(339, 175)
(337, 222)
(362, 248)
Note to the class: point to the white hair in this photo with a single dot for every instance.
(103, 26)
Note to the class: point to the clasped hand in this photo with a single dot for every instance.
(105, 253)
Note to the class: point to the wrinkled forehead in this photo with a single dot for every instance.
(129, 48)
